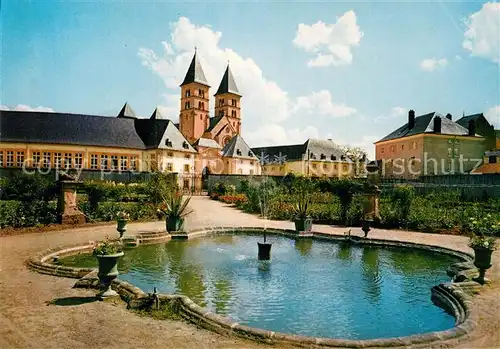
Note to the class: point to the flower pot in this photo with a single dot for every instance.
(304, 224)
(108, 271)
(482, 257)
(121, 226)
(175, 224)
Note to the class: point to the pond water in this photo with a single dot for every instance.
(310, 287)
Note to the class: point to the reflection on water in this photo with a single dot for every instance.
(311, 287)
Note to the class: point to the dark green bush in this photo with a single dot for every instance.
(28, 187)
(22, 214)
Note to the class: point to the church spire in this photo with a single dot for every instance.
(227, 84)
(195, 72)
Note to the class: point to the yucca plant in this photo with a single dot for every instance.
(301, 208)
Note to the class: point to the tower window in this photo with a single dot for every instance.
(187, 105)
(188, 93)
(221, 113)
(221, 102)
(201, 105)
(201, 93)
(233, 113)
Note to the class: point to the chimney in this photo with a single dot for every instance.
(437, 124)
(472, 128)
(449, 117)
(331, 140)
(411, 119)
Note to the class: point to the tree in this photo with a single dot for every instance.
(358, 156)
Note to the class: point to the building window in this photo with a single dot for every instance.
(344, 167)
(382, 150)
(201, 93)
(58, 160)
(201, 106)
(233, 113)
(333, 158)
(402, 147)
(185, 145)
(93, 161)
(187, 156)
(133, 163)
(325, 166)
(46, 159)
(492, 159)
(185, 184)
(169, 153)
(221, 102)
(19, 158)
(314, 166)
(251, 172)
(393, 148)
(238, 152)
(104, 162)
(188, 93)
(114, 162)
(68, 160)
(187, 105)
(36, 156)
(233, 102)
(221, 113)
(168, 142)
(78, 160)
(170, 167)
(323, 157)
(123, 163)
(152, 161)
(414, 145)
(10, 159)
(251, 163)
(186, 168)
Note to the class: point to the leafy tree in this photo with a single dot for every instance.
(345, 189)
(358, 156)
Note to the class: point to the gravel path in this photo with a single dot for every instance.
(28, 319)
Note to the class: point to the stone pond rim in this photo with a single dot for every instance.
(450, 296)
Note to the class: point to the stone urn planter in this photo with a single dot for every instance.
(303, 224)
(108, 271)
(121, 226)
(482, 261)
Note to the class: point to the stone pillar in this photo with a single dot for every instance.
(67, 208)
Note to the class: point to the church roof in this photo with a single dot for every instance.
(227, 84)
(237, 148)
(156, 114)
(213, 122)
(195, 73)
(127, 112)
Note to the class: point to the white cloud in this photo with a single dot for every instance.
(482, 37)
(493, 116)
(330, 43)
(432, 64)
(24, 107)
(265, 105)
(398, 111)
(320, 103)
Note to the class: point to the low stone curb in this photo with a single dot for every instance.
(450, 297)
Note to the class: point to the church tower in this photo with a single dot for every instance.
(193, 118)
(227, 100)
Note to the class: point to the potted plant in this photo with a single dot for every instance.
(303, 223)
(121, 222)
(107, 254)
(483, 243)
(175, 209)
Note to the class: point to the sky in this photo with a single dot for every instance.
(348, 71)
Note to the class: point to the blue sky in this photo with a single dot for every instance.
(383, 59)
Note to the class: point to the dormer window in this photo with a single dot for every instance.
(238, 152)
(168, 142)
(333, 158)
(185, 145)
(323, 157)
(312, 156)
(250, 153)
(188, 93)
(342, 158)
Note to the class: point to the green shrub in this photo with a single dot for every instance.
(28, 187)
(22, 214)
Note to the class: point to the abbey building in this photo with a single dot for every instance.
(199, 144)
